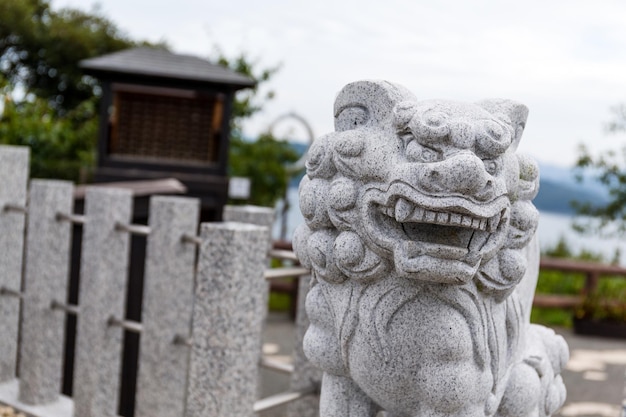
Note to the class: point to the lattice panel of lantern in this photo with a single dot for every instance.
(168, 128)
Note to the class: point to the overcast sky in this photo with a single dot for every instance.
(564, 59)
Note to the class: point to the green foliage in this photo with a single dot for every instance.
(610, 169)
(561, 283)
(248, 101)
(265, 162)
(607, 302)
(551, 317)
(557, 282)
(40, 49)
(39, 54)
(279, 301)
(61, 146)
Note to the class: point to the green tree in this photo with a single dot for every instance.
(248, 102)
(61, 146)
(266, 160)
(47, 102)
(609, 169)
(40, 49)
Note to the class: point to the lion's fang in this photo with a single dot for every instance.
(404, 209)
(492, 223)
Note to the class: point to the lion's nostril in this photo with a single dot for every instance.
(434, 176)
(459, 174)
(486, 193)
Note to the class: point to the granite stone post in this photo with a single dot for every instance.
(45, 280)
(261, 216)
(305, 374)
(103, 273)
(227, 320)
(167, 308)
(14, 177)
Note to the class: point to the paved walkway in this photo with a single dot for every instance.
(595, 375)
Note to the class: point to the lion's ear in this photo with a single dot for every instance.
(368, 103)
(511, 112)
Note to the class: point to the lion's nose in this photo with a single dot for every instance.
(463, 173)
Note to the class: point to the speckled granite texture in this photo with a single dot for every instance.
(227, 320)
(103, 273)
(249, 214)
(167, 307)
(14, 174)
(46, 279)
(420, 236)
(261, 216)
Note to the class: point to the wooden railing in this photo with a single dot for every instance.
(593, 271)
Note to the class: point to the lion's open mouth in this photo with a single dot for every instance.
(414, 226)
(458, 230)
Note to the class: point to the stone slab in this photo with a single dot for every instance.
(103, 273)
(14, 173)
(227, 320)
(167, 307)
(45, 280)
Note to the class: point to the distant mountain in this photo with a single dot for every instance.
(558, 187)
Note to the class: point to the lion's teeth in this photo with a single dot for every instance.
(403, 209)
(492, 224)
(442, 218)
(455, 219)
(466, 221)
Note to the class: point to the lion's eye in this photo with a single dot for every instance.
(418, 153)
(491, 166)
(428, 155)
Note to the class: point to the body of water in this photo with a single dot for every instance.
(552, 227)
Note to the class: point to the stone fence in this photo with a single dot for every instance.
(204, 303)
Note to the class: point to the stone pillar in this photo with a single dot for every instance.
(103, 274)
(45, 281)
(14, 176)
(167, 307)
(261, 216)
(228, 313)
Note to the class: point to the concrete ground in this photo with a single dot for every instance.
(594, 377)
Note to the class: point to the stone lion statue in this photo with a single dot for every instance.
(420, 237)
